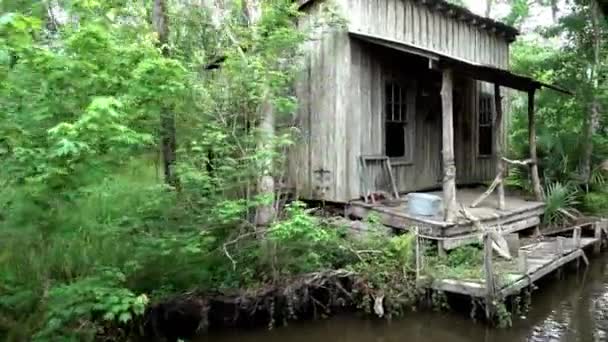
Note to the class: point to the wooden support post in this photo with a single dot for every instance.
(559, 245)
(489, 275)
(597, 229)
(417, 255)
(449, 163)
(522, 262)
(498, 140)
(576, 237)
(538, 193)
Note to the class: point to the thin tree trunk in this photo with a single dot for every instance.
(488, 8)
(592, 119)
(167, 119)
(538, 192)
(554, 10)
(266, 184)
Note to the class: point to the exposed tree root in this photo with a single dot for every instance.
(309, 296)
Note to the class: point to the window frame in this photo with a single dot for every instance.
(486, 117)
(397, 109)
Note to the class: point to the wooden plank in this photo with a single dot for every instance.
(460, 287)
(527, 281)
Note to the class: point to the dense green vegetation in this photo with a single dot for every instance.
(90, 232)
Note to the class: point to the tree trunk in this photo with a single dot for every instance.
(538, 192)
(167, 119)
(488, 8)
(592, 119)
(266, 184)
(449, 164)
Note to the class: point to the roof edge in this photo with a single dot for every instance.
(459, 13)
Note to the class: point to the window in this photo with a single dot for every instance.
(486, 129)
(396, 121)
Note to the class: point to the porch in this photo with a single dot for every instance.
(518, 214)
(465, 210)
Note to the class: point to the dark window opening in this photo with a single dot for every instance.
(486, 127)
(395, 120)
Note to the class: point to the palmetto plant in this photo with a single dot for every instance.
(560, 203)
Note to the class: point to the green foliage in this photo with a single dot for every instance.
(560, 202)
(596, 203)
(465, 262)
(73, 306)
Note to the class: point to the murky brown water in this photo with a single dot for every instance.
(573, 308)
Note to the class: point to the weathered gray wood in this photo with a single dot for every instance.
(498, 138)
(522, 262)
(532, 141)
(513, 243)
(541, 272)
(497, 182)
(559, 245)
(576, 237)
(597, 247)
(489, 275)
(341, 100)
(449, 167)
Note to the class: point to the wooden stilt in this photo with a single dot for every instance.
(538, 193)
(498, 140)
(597, 229)
(489, 275)
(522, 262)
(576, 237)
(449, 164)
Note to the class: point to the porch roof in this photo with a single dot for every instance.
(473, 70)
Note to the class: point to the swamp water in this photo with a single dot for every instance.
(573, 308)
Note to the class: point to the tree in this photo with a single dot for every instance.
(592, 119)
(167, 119)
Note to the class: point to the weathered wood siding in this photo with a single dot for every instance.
(414, 23)
(318, 163)
(341, 94)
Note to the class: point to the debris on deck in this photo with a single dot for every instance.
(536, 258)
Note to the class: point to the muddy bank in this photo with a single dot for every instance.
(570, 308)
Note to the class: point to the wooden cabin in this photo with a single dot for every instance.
(409, 96)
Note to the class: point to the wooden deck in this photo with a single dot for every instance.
(543, 257)
(519, 214)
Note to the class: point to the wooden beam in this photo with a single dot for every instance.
(526, 162)
(538, 193)
(497, 181)
(449, 163)
(498, 139)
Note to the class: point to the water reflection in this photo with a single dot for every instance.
(569, 309)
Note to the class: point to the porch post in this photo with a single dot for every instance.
(532, 139)
(498, 140)
(449, 164)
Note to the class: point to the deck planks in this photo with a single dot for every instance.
(543, 259)
(518, 214)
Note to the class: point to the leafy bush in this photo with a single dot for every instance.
(560, 202)
(596, 203)
(73, 308)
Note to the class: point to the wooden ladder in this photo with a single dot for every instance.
(385, 163)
